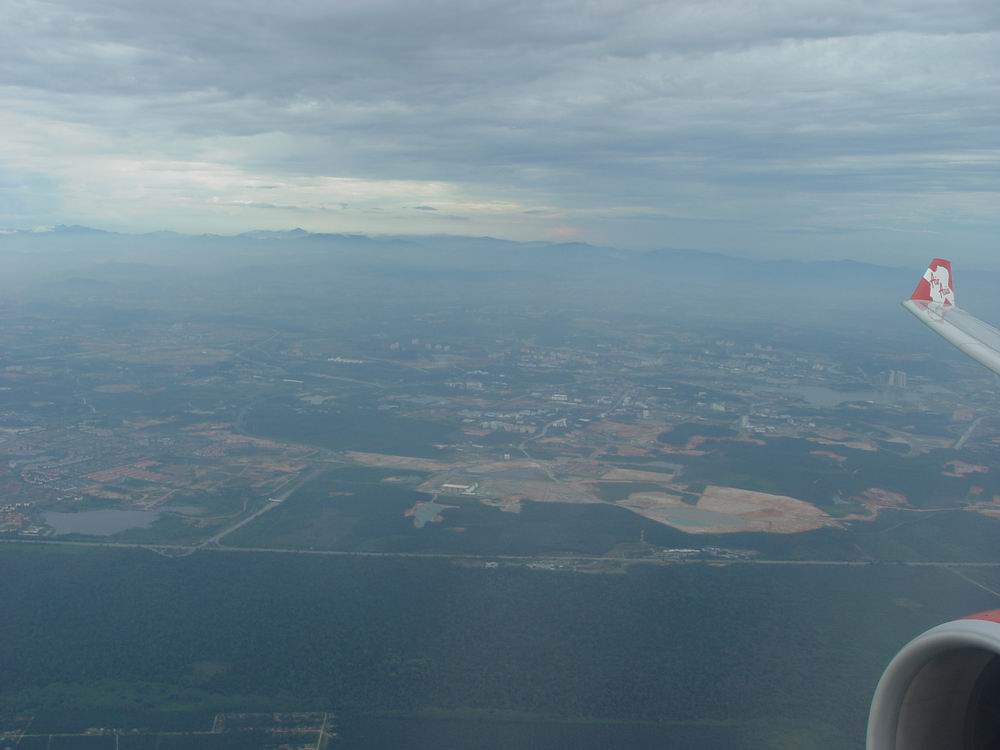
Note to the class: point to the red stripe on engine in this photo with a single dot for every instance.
(991, 616)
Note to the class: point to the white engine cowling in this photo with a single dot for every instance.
(942, 691)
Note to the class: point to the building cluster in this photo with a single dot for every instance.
(14, 517)
(455, 488)
(415, 345)
(498, 426)
(894, 379)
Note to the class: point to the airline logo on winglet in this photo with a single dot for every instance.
(937, 285)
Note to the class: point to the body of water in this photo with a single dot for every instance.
(100, 522)
(820, 395)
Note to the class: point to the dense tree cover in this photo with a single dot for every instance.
(798, 646)
(348, 426)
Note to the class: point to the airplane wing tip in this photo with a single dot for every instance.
(937, 284)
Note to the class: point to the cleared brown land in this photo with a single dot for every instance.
(132, 471)
(639, 433)
(962, 469)
(508, 504)
(635, 475)
(223, 435)
(876, 497)
(760, 511)
(284, 467)
(384, 460)
(654, 505)
(860, 445)
(726, 510)
(539, 490)
(991, 509)
(491, 467)
(840, 437)
(682, 451)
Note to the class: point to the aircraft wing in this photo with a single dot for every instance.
(933, 303)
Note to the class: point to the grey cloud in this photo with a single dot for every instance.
(286, 207)
(758, 115)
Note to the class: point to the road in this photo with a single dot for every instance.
(276, 499)
(320, 742)
(968, 433)
(542, 465)
(181, 549)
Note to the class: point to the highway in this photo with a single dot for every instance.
(177, 550)
(274, 501)
(968, 433)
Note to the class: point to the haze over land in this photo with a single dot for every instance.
(516, 478)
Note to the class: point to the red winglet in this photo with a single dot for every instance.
(937, 284)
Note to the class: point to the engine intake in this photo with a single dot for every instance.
(942, 691)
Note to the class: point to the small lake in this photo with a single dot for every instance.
(820, 395)
(100, 522)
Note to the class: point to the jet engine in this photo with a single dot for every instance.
(942, 691)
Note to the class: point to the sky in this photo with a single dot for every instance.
(803, 129)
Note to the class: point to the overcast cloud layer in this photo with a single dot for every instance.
(800, 129)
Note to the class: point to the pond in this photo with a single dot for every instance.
(820, 395)
(99, 522)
